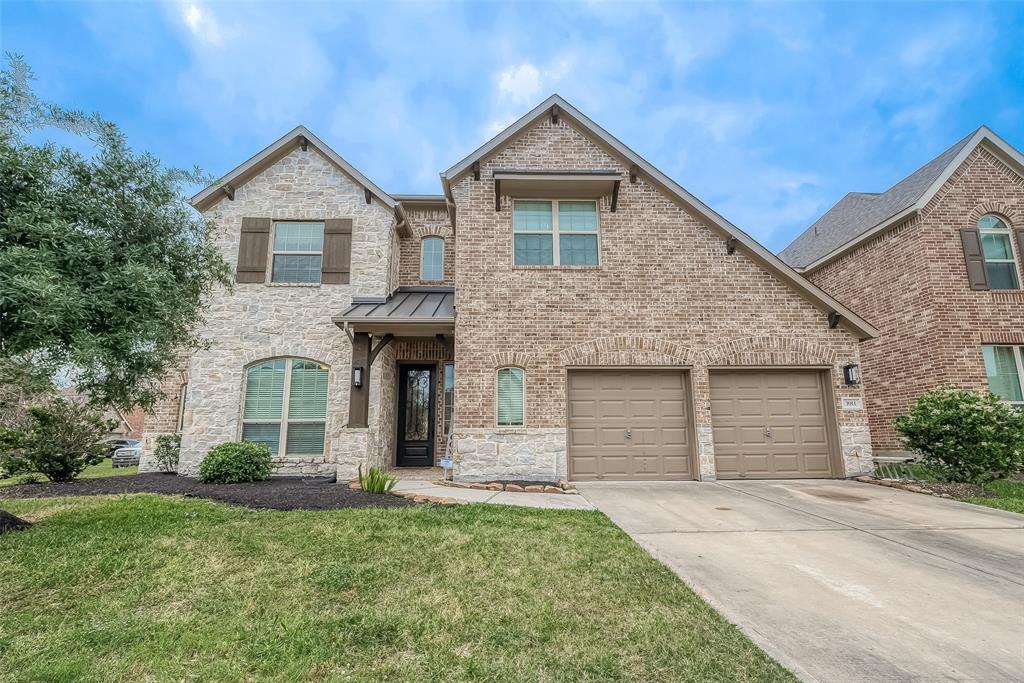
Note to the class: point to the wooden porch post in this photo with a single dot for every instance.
(359, 397)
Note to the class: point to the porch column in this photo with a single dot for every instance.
(359, 397)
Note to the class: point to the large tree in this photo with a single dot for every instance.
(104, 266)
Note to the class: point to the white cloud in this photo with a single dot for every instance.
(519, 84)
(201, 23)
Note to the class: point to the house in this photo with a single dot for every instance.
(936, 263)
(562, 309)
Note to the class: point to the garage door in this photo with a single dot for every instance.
(629, 424)
(770, 424)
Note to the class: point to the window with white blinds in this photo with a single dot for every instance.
(286, 405)
(510, 397)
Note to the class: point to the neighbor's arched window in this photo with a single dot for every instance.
(997, 249)
(432, 258)
(510, 397)
(286, 405)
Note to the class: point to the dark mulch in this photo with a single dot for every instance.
(9, 522)
(956, 490)
(278, 493)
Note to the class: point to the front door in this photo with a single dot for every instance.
(416, 405)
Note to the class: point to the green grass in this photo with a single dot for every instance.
(1008, 494)
(103, 469)
(138, 588)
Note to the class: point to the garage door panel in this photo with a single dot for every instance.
(768, 423)
(651, 405)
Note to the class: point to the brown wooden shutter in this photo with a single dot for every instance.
(337, 262)
(975, 258)
(252, 250)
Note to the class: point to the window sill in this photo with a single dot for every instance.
(1010, 295)
(311, 285)
(515, 267)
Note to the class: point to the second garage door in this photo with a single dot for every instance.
(770, 424)
(629, 424)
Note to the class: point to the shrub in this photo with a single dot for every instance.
(168, 447)
(964, 435)
(376, 480)
(236, 462)
(58, 441)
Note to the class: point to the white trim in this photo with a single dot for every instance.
(274, 252)
(1006, 232)
(423, 243)
(555, 233)
(284, 420)
(1018, 357)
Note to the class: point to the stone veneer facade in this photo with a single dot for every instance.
(911, 283)
(666, 293)
(260, 321)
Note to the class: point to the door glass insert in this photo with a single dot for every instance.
(417, 405)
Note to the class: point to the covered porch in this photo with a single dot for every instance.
(401, 381)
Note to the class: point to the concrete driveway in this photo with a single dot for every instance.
(842, 581)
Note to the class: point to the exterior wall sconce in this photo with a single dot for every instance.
(851, 374)
(357, 376)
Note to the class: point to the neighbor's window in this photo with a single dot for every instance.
(1004, 366)
(997, 246)
(286, 405)
(558, 232)
(432, 258)
(298, 252)
(510, 397)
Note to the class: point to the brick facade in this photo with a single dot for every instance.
(911, 282)
(666, 292)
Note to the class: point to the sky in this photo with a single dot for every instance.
(769, 113)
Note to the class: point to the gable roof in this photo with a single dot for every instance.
(278, 149)
(761, 255)
(861, 215)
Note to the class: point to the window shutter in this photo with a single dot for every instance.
(974, 257)
(337, 261)
(252, 250)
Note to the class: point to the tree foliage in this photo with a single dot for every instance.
(104, 266)
(965, 435)
(60, 440)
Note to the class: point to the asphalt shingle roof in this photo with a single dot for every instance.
(858, 212)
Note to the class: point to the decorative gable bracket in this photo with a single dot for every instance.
(228, 191)
(833, 320)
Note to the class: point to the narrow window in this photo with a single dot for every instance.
(286, 406)
(432, 258)
(298, 251)
(1004, 366)
(449, 397)
(510, 397)
(997, 247)
(563, 233)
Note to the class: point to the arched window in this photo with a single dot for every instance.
(286, 405)
(997, 249)
(432, 258)
(510, 397)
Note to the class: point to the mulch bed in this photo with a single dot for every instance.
(9, 522)
(278, 493)
(935, 488)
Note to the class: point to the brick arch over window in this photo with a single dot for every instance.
(767, 350)
(318, 353)
(627, 350)
(516, 359)
(421, 231)
(1007, 213)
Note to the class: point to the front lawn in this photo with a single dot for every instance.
(1004, 494)
(144, 587)
(103, 469)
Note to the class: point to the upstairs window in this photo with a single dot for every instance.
(1004, 366)
(298, 252)
(997, 250)
(286, 405)
(555, 232)
(432, 258)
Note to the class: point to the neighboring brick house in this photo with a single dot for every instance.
(936, 263)
(563, 310)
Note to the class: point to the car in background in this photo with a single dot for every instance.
(125, 452)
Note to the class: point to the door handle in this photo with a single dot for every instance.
(767, 432)
(628, 434)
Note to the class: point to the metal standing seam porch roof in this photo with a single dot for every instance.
(406, 310)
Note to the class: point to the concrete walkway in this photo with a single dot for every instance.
(842, 581)
(552, 501)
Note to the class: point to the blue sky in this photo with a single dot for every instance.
(768, 112)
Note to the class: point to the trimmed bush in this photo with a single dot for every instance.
(376, 480)
(165, 454)
(965, 435)
(236, 462)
